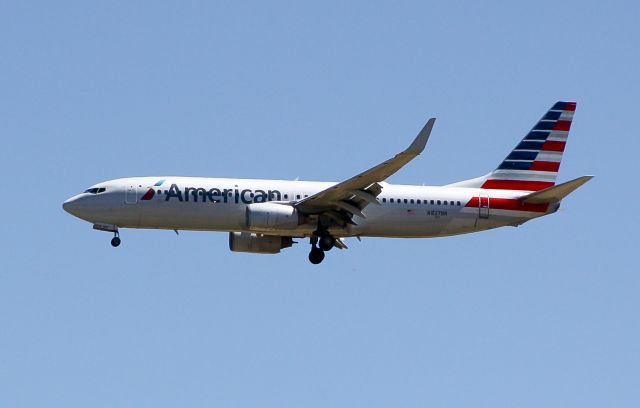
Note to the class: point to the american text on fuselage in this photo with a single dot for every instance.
(201, 194)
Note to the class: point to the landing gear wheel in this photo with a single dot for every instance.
(115, 241)
(316, 255)
(327, 242)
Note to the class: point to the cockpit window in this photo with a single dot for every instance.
(95, 190)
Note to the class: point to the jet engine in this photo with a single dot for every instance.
(271, 216)
(258, 243)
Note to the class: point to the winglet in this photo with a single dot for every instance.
(421, 140)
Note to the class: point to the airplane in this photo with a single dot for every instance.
(265, 216)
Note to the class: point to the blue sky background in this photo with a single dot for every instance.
(541, 315)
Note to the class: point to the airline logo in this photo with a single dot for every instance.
(534, 163)
(152, 191)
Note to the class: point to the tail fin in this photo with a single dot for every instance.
(533, 165)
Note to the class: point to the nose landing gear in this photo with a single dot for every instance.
(115, 241)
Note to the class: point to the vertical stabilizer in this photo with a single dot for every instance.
(533, 165)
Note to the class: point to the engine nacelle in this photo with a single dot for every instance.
(271, 216)
(258, 243)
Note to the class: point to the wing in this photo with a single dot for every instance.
(342, 201)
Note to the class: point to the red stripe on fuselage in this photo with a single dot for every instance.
(516, 185)
(511, 204)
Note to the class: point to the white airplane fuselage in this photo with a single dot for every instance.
(219, 204)
(263, 216)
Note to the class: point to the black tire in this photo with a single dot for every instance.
(316, 255)
(326, 242)
(115, 241)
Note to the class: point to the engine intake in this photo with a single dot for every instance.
(258, 243)
(271, 216)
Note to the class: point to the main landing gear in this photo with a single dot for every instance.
(326, 242)
(319, 245)
(316, 255)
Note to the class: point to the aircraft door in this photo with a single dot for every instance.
(483, 207)
(131, 195)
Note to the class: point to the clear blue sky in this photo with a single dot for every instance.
(542, 315)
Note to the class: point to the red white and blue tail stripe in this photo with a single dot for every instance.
(533, 165)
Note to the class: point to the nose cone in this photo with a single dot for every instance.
(72, 206)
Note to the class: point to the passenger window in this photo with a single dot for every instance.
(391, 200)
(286, 196)
(412, 201)
(419, 202)
(431, 202)
(384, 200)
(298, 196)
(445, 202)
(405, 200)
(459, 203)
(439, 202)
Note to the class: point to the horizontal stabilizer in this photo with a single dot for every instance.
(555, 193)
